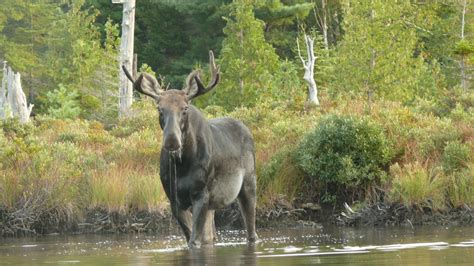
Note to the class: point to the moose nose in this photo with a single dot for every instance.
(172, 144)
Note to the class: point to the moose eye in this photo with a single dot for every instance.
(185, 110)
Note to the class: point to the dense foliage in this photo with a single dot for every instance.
(344, 154)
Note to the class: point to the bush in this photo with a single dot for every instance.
(12, 127)
(456, 156)
(144, 116)
(344, 154)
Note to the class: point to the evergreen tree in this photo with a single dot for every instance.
(377, 54)
(56, 43)
(249, 64)
(25, 37)
(281, 19)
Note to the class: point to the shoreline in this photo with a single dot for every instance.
(101, 221)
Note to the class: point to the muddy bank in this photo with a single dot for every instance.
(383, 214)
(98, 221)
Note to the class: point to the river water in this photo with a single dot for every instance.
(303, 246)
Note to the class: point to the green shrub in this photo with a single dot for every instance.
(13, 128)
(433, 135)
(344, 153)
(456, 156)
(144, 116)
(72, 137)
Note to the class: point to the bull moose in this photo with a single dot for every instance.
(204, 164)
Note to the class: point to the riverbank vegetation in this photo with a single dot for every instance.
(394, 126)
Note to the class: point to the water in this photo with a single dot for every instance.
(328, 245)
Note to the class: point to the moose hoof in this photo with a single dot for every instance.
(252, 239)
(192, 245)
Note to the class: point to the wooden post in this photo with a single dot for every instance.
(126, 55)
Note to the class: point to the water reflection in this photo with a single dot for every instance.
(369, 246)
(210, 255)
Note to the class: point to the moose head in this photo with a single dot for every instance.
(173, 105)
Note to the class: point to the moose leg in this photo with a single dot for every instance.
(208, 231)
(184, 219)
(248, 201)
(200, 212)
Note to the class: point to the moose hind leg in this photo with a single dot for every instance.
(248, 201)
(209, 230)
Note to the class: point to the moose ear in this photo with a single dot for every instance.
(145, 84)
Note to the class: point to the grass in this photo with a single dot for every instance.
(68, 167)
(461, 187)
(416, 186)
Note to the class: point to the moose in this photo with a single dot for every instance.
(204, 164)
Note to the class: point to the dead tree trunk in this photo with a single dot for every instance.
(126, 55)
(12, 98)
(309, 70)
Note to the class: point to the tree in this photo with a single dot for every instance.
(249, 64)
(25, 35)
(56, 43)
(447, 39)
(280, 18)
(377, 55)
(464, 48)
(126, 56)
(308, 66)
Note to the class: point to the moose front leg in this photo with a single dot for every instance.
(200, 213)
(184, 220)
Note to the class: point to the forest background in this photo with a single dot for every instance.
(394, 123)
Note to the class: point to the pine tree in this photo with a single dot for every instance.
(249, 64)
(281, 19)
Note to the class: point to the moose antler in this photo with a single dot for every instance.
(145, 84)
(191, 89)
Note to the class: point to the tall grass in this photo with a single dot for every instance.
(416, 186)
